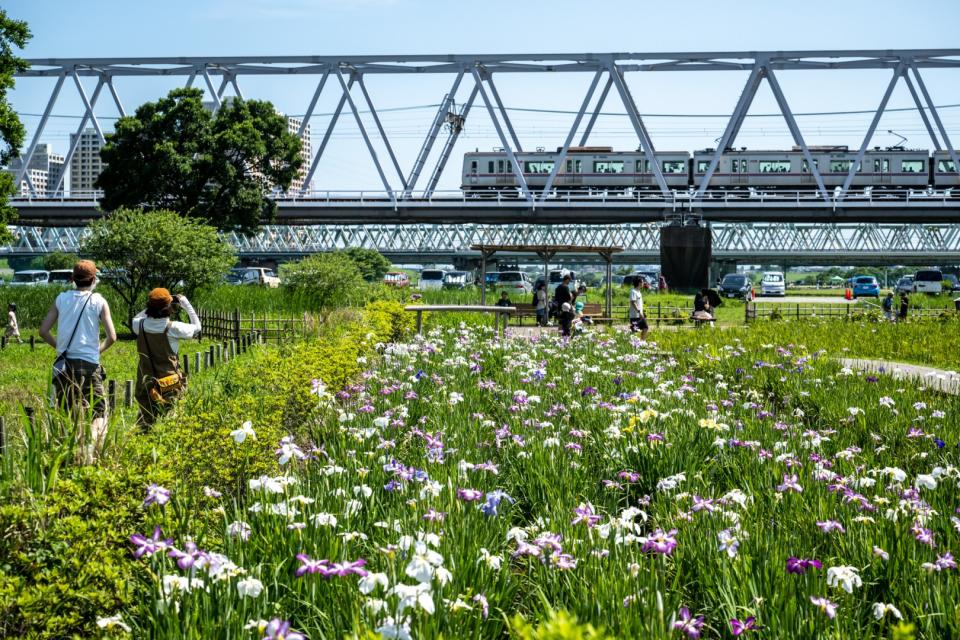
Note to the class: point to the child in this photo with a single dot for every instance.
(13, 329)
(566, 319)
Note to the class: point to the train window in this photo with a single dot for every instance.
(743, 166)
(841, 166)
(881, 166)
(805, 168)
(499, 166)
(945, 166)
(574, 166)
(674, 166)
(774, 166)
(490, 167)
(539, 166)
(608, 166)
(702, 166)
(912, 166)
(473, 166)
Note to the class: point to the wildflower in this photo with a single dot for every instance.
(148, 546)
(880, 610)
(661, 542)
(799, 566)
(584, 513)
(308, 565)
(829, 526)
(423, 563)
(391, 629)
(245, 431)
(844, 577)
(790, 483)
(880, 553)
(924, 481)
(434, 516)
(827, 607)
(239, 529)
(156, 495)
(728, 542)
(369, 582)
(469, 495)
(113, 622)
(413, 595)
(923, 535)
(278, 629)
(289, 450)
(484, 605)
(886, 401)
(563, 560)
(945, 561)
(210, 492)
(324, 520)
(737, 627)
(489, 508)
(346, 568)
(492, 561)
(688, 624)
(188, 556)
(249, 588)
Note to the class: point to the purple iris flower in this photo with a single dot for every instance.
(584, 513)
(188, 557)
(279, 629)
(799, 566)
(156, 495)
(148, 546)
(308, 565)
(661, 542)
(737, 627)
(688, 624)
(829, 526)
(489, 508)
(342, 569)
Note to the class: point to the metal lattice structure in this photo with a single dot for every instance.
(345, 74)
(773, 243)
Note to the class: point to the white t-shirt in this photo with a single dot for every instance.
(86, 342)
(636, 303)
(541, 299)
(178, 330)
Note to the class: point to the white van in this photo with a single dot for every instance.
(928, 281)
(773, 284)
(431, 279)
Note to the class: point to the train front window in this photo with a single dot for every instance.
(608, 166)
(674, 166)
(774, 166)
(945, 166)
(912, 166)
(881, 166)
(539, 166)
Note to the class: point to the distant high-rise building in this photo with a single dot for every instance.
(45, 169)
(85, 166)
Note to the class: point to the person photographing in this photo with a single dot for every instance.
(160, 379)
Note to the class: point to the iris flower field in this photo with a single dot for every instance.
(468, 486)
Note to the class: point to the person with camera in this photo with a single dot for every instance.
(77, 374)
(160, 380)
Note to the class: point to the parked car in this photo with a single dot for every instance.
(456, 280)
(928, 281)
(556, 277)
(773, 284)
(514, 282)
(491, 278)
(62, 277)
(736, 285)
(30, 278)
(866, 286)
(904, 285)
(260, 276)
(397, 279)
(431, 279)
(234, 276)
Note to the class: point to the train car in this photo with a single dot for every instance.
(881, 168)
(585, 169)
(945, 175)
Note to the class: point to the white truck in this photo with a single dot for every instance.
(259, 276)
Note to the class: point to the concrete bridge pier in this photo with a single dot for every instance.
(720, 268)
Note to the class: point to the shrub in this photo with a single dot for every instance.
(390, 321)
(328, 280)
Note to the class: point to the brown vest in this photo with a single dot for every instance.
(157, 359)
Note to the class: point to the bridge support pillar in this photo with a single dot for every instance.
(685, 252)
(720, 268)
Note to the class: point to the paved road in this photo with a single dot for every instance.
(806, 300)
(946, 381)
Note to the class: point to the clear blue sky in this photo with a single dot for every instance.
(104, 28)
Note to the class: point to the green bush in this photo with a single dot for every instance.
(328, 280)
(390, 321)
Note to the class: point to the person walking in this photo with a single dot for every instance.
(887, 307)
(904, 306)
(638, 321)
(160, 380)
(77, 374)
(540, 295)
(13, 328)
(563, 294)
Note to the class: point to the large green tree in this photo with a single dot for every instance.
(371, 263)
(13, 33)
(138, 251)
(176, 154)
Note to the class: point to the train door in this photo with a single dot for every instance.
(881, 171)
(740, 170)
(574, 172)
(505, 173)
(806, 176)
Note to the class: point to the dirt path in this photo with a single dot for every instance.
(946, 381)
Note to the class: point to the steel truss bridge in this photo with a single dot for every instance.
(410, 194)
(783, 244)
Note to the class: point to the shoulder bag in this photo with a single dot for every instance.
(60, 366)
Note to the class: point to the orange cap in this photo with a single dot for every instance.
(159, 298)
(84, 271)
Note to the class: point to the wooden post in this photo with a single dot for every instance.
(112, 393)
(196, 362)
(211, 356)
(31, 342)
(419, 322)
(128, 393)
(746, 312)
(3, 343)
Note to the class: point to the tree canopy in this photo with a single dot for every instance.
(371, 263)
(176, 154)
(327, 279)
(138, 251)
(13, 33)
